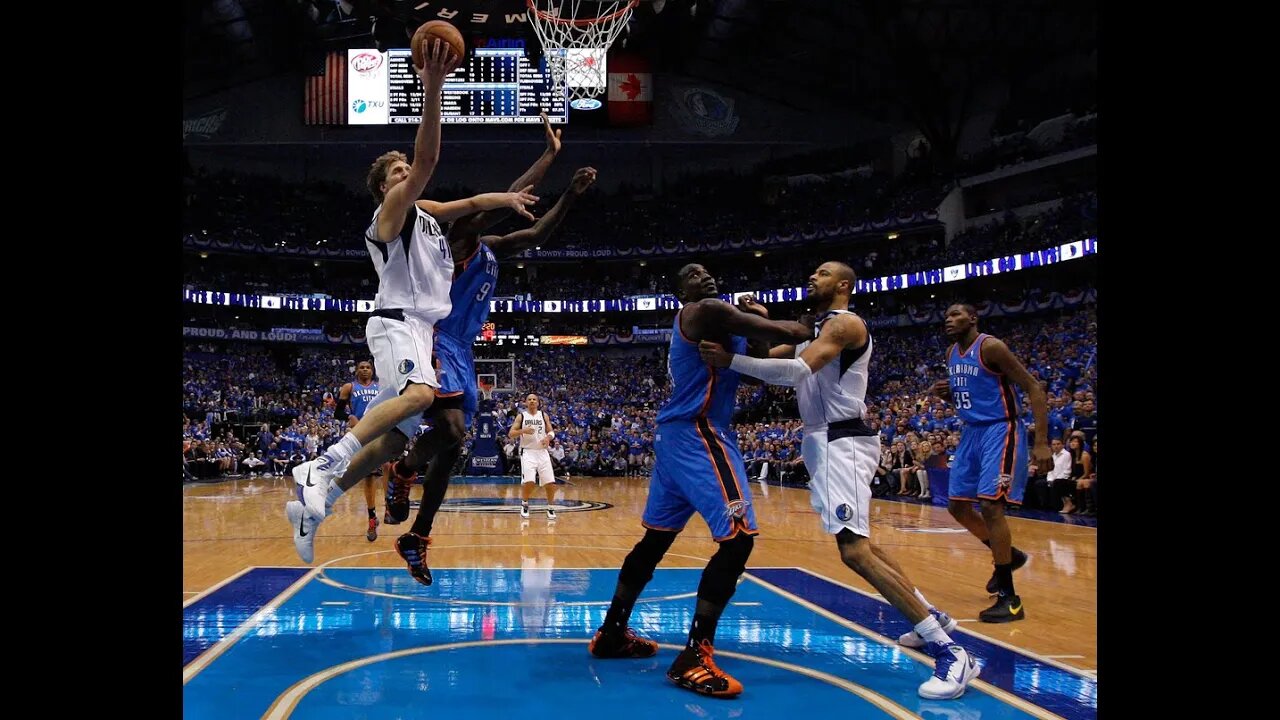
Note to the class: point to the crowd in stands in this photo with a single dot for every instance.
(260, 411)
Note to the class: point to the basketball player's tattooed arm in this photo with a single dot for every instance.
(340, 405)
(464, 234)
(997, 356)
(440, 61)
(520, 240)
(838, 333)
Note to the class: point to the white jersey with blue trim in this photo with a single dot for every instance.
(415, 269)
(838, 390)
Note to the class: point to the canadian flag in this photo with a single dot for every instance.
(630, 90)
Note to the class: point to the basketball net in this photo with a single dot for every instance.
(486, 388)
(574, 40)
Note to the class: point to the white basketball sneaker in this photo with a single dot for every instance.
(913, 639)
(954, 669)
(304, 530)
(313, 479)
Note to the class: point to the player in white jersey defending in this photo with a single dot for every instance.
(842, 452)
(415, 270)
(534, 430)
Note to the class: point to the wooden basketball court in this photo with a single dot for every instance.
(237, 524)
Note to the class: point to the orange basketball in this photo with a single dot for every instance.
(436, 29)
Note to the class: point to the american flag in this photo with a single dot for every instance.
(326, 94)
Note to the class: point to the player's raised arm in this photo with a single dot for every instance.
(454, 209)
(469, 227)
(440, 60)
(516, 242)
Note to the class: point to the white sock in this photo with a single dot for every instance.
(931, 631)
(340, 453)
(331, 497)
(921, 598)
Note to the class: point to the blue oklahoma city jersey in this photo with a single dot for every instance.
(695, 390)
(361, 396)
(979, 395)
(697, 464)
(474, 281)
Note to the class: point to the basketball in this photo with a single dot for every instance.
(439, 29)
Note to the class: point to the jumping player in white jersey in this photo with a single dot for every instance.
(474, 282)
(415, 270)
(842, 452)
(533, 427)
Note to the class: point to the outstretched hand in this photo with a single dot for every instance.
(520, 201)
(439, 60)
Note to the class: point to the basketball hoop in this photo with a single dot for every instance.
(486, 383)
(574, 40)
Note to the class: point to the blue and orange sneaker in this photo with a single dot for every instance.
(625, 645)
(397, 493)
(695, 669)
(413, 548)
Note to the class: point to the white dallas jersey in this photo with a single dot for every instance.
(838, 391)
(415, 269)
(538, 423)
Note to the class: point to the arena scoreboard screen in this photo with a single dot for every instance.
(496, 85)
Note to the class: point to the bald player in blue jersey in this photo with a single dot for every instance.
(990, 465)
(698, 469)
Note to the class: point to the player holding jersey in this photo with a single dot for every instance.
(842, 453)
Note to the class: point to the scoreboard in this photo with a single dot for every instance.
(496, 85)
